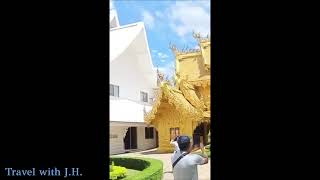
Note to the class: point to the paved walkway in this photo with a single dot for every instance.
(203, 171)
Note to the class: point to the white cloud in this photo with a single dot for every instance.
(154, 51)
(162, 55)
(186, 16)
(148, 19)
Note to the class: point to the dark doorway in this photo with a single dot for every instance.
(200, 134)
(130, 140)
(157, 139)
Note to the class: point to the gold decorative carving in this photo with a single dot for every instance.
(189, 93)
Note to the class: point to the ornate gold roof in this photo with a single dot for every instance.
(184, 98)
(175, 98)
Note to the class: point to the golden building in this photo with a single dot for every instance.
(185, 108)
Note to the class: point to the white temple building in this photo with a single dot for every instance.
(133, 80)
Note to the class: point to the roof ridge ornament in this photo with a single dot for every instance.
(200, 38)
(197, 36)
(173, 48)
(160, 76)
(184, 50)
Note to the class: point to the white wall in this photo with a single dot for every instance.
(117, 144)
(123, 110)
(125, 73)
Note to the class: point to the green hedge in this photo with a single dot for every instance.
(151, 169)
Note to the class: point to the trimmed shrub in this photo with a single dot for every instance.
(117, 172)
(151, 169)
(131, 163)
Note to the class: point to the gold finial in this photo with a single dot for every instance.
(160, 76)
(197, 36)
(207, 38)
(173, 48)
(200, 39)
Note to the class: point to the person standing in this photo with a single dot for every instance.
(185, 165)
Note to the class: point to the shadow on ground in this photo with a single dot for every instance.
(167, 172)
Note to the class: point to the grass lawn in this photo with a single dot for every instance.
(130, 173)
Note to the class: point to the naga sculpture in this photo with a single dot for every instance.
(189, 92)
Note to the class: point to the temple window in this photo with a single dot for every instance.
(148, 132)
(174, 132)
(114, 90)
(144, 96)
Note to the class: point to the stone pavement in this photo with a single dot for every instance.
(203, 171)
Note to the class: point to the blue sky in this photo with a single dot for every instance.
(166, 22)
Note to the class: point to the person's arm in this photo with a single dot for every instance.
(204, 154)
(171, 142)
(199, 159)
(174, 141)
(195, 149)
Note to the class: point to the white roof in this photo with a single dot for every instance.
(122, 110)
(121, 38)
(132, 40)
(114, 21)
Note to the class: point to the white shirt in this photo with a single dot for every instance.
(176, 148)
(186, 168)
